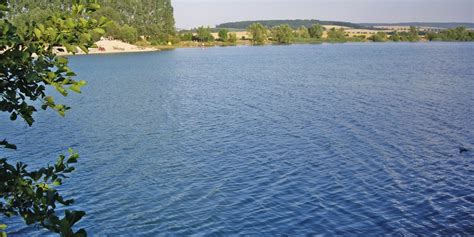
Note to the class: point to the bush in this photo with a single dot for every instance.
(379, 37)
(316, 31)
(125, 33)
(259, 33)
(283, 34)
(232, 38)
(187, 37)
(223, 35)
(336, 35)
(204, 34)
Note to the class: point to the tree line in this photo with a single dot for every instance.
(456, 34)
(129, 19)
(291, 23)
(259, 34)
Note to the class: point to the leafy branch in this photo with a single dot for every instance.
(28, 64)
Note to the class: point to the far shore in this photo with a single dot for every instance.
(119, 47)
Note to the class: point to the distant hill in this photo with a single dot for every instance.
(423, 24)
(292, 23)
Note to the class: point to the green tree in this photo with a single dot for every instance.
(128, 34)
(110, 13)
(259, 33)
(471, 35)
(283, 34)
(432, 36)
(395, 37)
(456, 34)
(38, 15)
(151, 18)
(187, 36)
(413, 35)
(203, 34)
(379, 37)
(232, 38)
(337, 35)
(223, 35)
(316, 31)
(28, 65)
(303, 32)
(124, 33)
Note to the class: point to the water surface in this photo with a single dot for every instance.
(343, 139)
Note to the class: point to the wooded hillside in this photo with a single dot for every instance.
(151, 18)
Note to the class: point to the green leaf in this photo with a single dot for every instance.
(103, 20)
(81, 233)
(86, 37)
(7, 145)
(99, 31)
(74, 216)
(83, 21)
(84, 49)
(57, 182)
(62, 60)
(94, 6)
(3, 226)
(13, 116)
(37, 32)
(61, 90)
(70, 48)
(49, 99)
(76, 88)
(51, 75)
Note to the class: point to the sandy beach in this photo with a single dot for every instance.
(109, 47)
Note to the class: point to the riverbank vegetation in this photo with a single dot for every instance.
(152, 25)
(259, 34)
(456, 34)
(292, 23)
(130, 20)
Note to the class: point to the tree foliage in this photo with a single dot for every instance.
(259, 33)
(283, 34)
(223, 35)
(186, 36)
(124, 33)
(413, 35)
(303, 32)
(456, 34)
(316, 31)
(336, 35)
(151, 18)
(232, 38)
(395, 37)
(28, 65)
(203, 34)
(379, 37)
(292, 23)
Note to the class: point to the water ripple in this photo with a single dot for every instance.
(353, 139)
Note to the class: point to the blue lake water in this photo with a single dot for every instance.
(333, 139)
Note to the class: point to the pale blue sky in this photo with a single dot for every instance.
(192, 13)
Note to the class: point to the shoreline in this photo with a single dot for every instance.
(92, 51)
(195, 45)
(108, 47)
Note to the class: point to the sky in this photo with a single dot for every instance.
(193, 13)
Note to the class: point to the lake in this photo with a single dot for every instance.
(332, 139)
